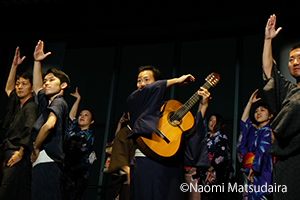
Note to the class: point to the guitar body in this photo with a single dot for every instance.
(157, 147)
(174, 120)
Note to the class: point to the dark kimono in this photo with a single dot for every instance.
(41, 187)
(151, 179)
(18, 122)
(284, 99)
(220, 160)
(77, 148)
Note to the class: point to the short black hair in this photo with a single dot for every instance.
(297, 46)
(62, 76)
(157, 75)
(25, 75)
(264, 105)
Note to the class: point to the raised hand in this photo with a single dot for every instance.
(34, 155)
(270, 31)
(123, 119)
(253, 97)
(182, 79)
(76, 94)
(251, 175)
(205, 95)
(17, 60)
(39, 52)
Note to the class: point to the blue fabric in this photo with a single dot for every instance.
(144, 107)
(257, 142)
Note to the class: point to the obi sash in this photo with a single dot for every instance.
(247, 160)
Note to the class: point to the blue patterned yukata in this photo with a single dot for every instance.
(257, 142)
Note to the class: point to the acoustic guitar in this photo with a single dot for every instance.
(175, 118)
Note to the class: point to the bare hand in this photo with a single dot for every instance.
(272, 136)
(209, 178)
(16, 157)
(251, 175)
(182, 79)
(270, 31)
(123, 119)
(17, 59)
(253, 97)
(76, 93)
(205, 95)
(39, 52)
(34, 155)
(126, 169)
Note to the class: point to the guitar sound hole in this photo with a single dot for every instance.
(173, 119)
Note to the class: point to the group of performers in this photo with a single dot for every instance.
(268, 147)
(47, 148)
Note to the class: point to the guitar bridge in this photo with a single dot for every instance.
(160, 134)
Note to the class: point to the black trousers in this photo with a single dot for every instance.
(46, 181)
(16, 180)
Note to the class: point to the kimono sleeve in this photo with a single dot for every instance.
(10, 109)
(72, 127)
(244, 131)
(221, 155)
(30, 115)
(195, 153)
(276, 88)
(144, 107)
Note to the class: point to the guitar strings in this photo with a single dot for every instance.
(183, 110)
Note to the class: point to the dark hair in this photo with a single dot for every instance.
(25, 75)
(157, 75)
(264, 105)
(92, 114)
(62, 76)
(297, 46)
(220, 122)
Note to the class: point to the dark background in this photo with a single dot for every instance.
(101, 44)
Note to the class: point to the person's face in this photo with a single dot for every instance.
(51, 85)
(85, 118)
(262, 115)
(294, 63)
(211, 123)
(23, 88)
(145, 78)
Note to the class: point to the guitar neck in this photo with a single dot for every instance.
(181, 112)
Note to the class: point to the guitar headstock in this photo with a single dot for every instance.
(213, 79)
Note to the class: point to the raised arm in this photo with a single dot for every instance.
(181, 80)
(37, 71)
(10, 84)
(74, 109)
(270, 33)
(121, 121)
(247, 109)
(203, 105)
